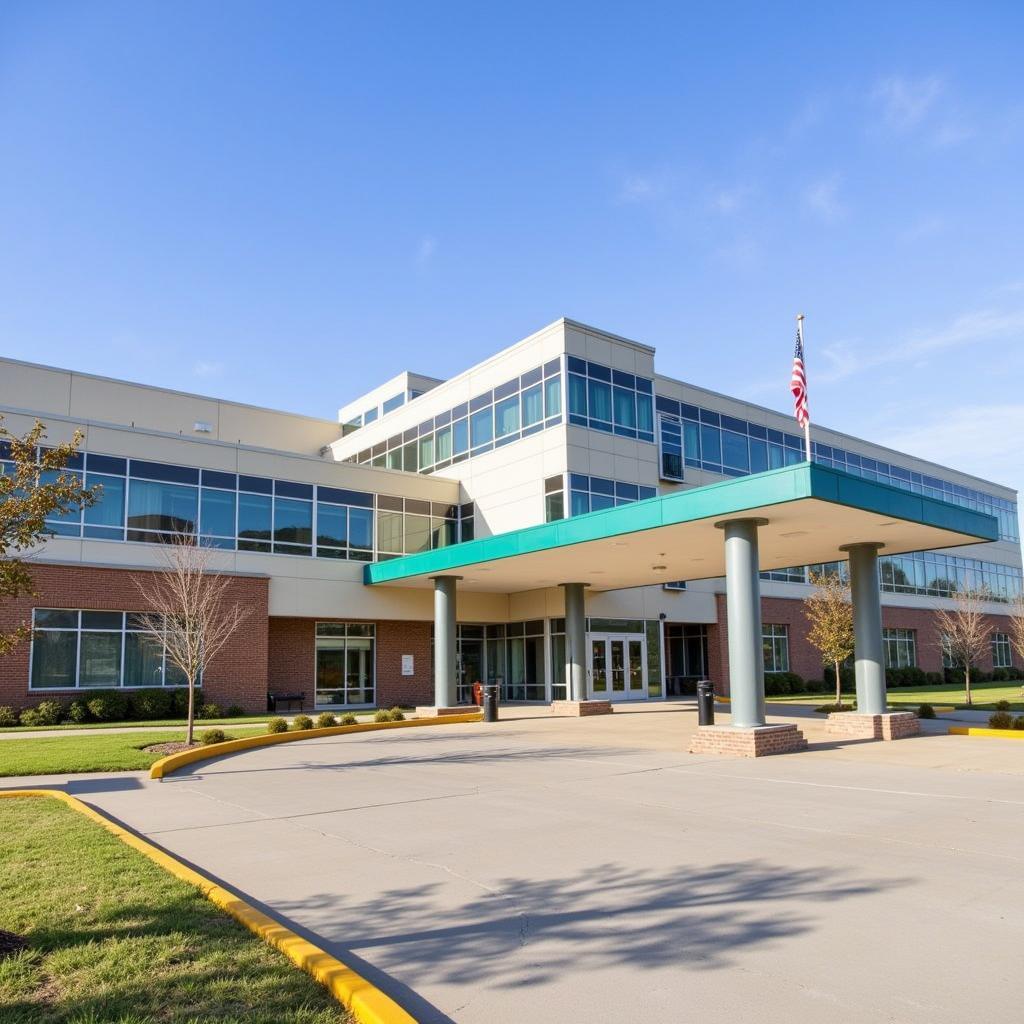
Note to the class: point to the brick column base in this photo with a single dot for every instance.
(896, 725)
(432, 712)
(581, 708)
(759, 741)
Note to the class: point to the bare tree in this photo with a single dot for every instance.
(830, 613)
(191, 617)
(1017, 626)
(965, 630)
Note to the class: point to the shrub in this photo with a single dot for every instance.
(934, 678)
(396, 715)
(349, 719)
(234, 711)
(302, 722)
(152, 703)
(7, 717)
(1000, 720)
(1002, 705)
(817, 686)
(325, 720)
(828, 708)
(775, 684)
(107, 706)
(1018, 722)
(1000, 675)
(926, 711)
(213, 736)
(209, 711)
(277, 725)
(382, 716)
(78, 712)
(846, 678)
(46, 712)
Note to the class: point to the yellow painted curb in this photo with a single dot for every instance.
(998, 734)
(173, 762)
(366, 1002)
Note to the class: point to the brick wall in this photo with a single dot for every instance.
(238, 675)
(805, 659)
(292, 663)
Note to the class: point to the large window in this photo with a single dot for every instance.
(153, 502)
(517, 408)
(592, 493)
(84, 649)
(525, 660)
(554, 498)
(345, 663)
(900, 648)
(1002, 654)
(610, 400)
(775, 641)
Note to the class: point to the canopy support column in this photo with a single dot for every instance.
(575, 641)
(748, 734)
(445, 660)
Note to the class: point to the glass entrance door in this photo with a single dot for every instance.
(618, 667)
(471, 668)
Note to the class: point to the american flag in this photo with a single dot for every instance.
(798, 382)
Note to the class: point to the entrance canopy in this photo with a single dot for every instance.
(809, 513)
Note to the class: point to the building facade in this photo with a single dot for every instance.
(568, 421)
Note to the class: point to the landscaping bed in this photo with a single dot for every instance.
(110, 936)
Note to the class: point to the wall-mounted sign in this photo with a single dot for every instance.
(407, 665)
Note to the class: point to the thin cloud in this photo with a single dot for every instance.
(822, 199)
(425, 250)
(639, 188)
(729, 200)
(905, 102)
(205, 370)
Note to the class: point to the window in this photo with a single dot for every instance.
(948, 661)
(775, 641)
(670, 437)
(74, 649)
(1002, 655)
(554, 498)
(559, 687)
(525, 654)
(593, 493)
(900, 648)
(610, 400)
(345, 663)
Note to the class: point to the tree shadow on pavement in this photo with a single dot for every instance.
(527, 931)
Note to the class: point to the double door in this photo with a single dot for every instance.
(618, 666)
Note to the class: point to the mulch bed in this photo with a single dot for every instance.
(170, 748)
(11, 943)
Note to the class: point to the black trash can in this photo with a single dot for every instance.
(491, 702)
(705, 702)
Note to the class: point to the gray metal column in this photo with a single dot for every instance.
(575, 641)
(868, 649)
(743, 604)
(445, 683)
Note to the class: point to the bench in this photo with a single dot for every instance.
(276, 700)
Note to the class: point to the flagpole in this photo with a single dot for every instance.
(807, 425)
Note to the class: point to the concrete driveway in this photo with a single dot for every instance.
(590, 870)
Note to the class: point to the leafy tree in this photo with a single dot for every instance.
(191, 617)
(829, 611)
(34, 487)
(964, 630)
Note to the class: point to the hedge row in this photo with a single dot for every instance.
(116, 706)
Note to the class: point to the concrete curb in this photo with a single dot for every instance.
(366, 1002)
(173, 762)
(997, 734)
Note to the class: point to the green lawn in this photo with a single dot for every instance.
(985, 696)
(114, 938)
(118, 752)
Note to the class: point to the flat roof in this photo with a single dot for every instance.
(811, 512)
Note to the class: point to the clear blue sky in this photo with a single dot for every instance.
(287, 203)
